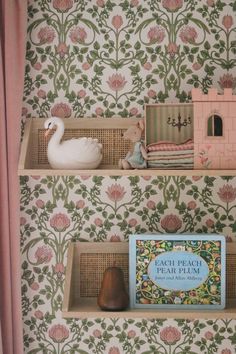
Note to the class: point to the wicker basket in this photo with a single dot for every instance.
(33, 157)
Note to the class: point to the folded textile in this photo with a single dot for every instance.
(171, 153)
(170, 164)
(169, 160)
(170, 157)
(175, 167)
(170, 146)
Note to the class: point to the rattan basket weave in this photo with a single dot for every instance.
(107, 131)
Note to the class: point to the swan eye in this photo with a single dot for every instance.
(49, 125)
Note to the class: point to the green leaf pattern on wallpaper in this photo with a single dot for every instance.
(56, 210)
(106, 58)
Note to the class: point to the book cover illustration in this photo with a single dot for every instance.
(187, 272)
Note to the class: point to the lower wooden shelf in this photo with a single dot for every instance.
(86, 264)
(87, 308)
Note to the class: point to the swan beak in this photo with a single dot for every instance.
(47, 132)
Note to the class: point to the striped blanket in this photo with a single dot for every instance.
(169, 155)
(171, 146)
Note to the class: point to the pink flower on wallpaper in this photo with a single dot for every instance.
(227, 193)
(81, 93)
(156, 34)
(46, 35)
(146, 178)
(59, 269)
(188, 34)
(24, 111)
(227, 81)
(131, 334)
(151, 204)
(134, 3)
(172, 49)
(115, 192)
(99, 111)
(40, 203)
(62, 5)
(208, 335)
(37, 66)
(226, 351)
(86, 66)
(85, 177)
(196, 66)
(100, 3)
(97, 333)
(80, 204)
(210, 3)
(62, 49)
(117, 21)
(22, 221)
(192, 205)
(147, 66)
(132, 222)
(227, 22)
(36, 177)
(98, 222)
(34, 286)
(58, 333)
(152, 94)
(78, 35)
(170, 335)
(171, 223)
(115, 238)
(61, 110)
(133, 111)
(43, 254)
(172, 5)
(116, 82)
(38, 314)
(41, 94)
(209, 223)
(196, 178)
(114, 350)
(60, 222)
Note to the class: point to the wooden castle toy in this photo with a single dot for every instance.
(197, 135)
(214, 129)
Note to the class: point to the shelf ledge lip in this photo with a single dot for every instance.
(90, 310)
(119, 172)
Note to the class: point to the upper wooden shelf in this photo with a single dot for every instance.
(33, 155)
(114, 171)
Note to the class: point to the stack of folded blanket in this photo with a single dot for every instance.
(169, 155)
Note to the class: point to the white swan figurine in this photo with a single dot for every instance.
(83, 153)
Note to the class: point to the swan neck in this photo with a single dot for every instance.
(56, 138)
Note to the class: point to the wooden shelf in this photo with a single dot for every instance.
(115, 171)
(86, 264)
(87, 308)
(33, 156)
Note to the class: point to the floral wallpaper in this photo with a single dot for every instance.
(108, 58)
(56, 210)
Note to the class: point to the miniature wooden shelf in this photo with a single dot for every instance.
(33, 155)
(86, 264)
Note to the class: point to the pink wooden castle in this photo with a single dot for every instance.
(214, 129)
